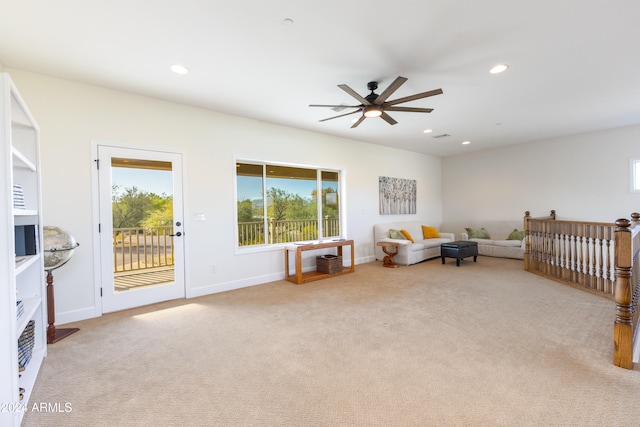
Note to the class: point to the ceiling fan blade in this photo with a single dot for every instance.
(354, 94)
(410, 109)
(414, 97)
(399, 81)
(388, 119)
(360, 120)
(334, 106)
(341, 115)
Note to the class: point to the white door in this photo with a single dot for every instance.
(141, 227)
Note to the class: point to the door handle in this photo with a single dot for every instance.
(178, 234)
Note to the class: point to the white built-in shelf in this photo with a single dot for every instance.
(24, 212)
(24, 262)
(28, 377)
(22, 278)
(30, 305)
(21, 161)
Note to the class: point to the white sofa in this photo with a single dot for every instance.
(498, 245)
(409, 253)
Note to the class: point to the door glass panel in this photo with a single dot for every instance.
(142, 210)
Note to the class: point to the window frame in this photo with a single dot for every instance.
(265, 247)
(634, 168)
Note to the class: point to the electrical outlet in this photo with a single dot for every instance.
(213, 268)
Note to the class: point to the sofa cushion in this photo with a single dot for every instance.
(429, 232)
(483, 241)
(435, 242)
(397, 234)
(516, 235)
(406, 234)
(475, 233)
(416, 247)
(428, 244)
(508, 243)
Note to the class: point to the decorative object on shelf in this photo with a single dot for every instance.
(19, 309)
(18, 197)
(25, 346)
(59, 246)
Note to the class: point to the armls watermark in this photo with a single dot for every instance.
(48, 407)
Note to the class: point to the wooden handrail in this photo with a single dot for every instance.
(627, 289)
(579, 253)
(595, 256)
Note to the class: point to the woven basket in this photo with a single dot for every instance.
(329, 264)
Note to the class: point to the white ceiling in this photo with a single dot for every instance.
(574, 65)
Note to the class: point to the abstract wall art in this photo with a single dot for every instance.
(397, 196)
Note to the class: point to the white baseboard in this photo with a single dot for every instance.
(366, 259)
(257, 280)
(76, 315)
(91, 312)
(231, 285)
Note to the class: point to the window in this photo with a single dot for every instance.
(280, 204)
(635, 175)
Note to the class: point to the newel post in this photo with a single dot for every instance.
(527, 240)
(623, 327)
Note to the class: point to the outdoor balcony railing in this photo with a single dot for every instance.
(139, 248)
(283, 231)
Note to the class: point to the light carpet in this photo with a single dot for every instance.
(483, 344)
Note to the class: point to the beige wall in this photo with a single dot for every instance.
(71, 115)
(583, 177)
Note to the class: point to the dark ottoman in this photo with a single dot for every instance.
(459, 250)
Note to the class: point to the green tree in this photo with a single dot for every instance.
(161, 213)
(130, 206)
(280, 201)
(133, 207)
(299, 208)
(245, 211)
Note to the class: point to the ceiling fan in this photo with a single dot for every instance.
(374, 105)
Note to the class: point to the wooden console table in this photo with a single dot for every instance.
(299, 277)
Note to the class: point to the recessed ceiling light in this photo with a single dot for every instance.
(287, 21)
(498, 68)
(179, 69)
(466, 143)
(427, 131)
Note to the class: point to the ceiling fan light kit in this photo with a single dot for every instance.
(374, 105)
(371, 111)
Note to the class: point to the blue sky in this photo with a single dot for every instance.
(152, 181)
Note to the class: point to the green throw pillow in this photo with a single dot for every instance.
(516, 235)
(475, 233)
(396, 234)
